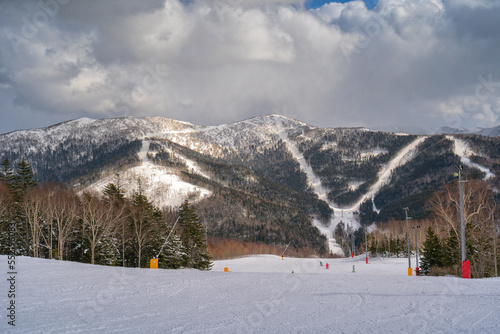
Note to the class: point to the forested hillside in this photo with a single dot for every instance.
(255, 177)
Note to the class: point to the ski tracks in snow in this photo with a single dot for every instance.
(258, 295)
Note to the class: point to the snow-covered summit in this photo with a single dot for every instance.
(316, 170)
(86, 129)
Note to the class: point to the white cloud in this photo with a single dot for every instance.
(405, 62)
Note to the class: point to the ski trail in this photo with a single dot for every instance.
(461, 148)
(315, 183)
(385, 174)
(345, 215)
(143, 153)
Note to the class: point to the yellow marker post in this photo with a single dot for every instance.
(226, 269)
(154, 264)
(410, 271)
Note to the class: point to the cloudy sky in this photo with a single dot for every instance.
(419, 63)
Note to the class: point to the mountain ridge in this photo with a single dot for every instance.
(296, 171)
(396, 129)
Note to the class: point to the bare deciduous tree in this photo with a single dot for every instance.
(61, 209)
(32, 209)
(99, 218)
(481, 233)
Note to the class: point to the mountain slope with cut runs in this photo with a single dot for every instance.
(263, 179)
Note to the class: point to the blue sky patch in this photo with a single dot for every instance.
(370, 4)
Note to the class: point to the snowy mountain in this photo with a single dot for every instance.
(490, 132)
(447, 130)
(269, 179)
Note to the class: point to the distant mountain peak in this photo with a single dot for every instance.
(416, 130)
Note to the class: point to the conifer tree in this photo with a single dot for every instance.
(395, 246)
(451, 251)
(145, 218)
(116, 195)
(6, 177)
(19, 183)
(193, 239)
(5, 219)
(23, 180)
(6, 173)
(432, 252)
(174, 254)
(403, 246)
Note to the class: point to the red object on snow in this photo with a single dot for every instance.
(352, 254)
(367, 260)
(327, 266)
(465, 269)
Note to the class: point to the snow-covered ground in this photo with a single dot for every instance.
(463, 150)
(259, 294)
(160, 184)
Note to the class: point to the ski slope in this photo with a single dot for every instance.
(346, 215)
(462, 149)
(259, 294)
(159, 183)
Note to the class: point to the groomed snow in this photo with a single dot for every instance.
(259, 294)
(462, 149)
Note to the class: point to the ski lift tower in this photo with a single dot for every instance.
(410, 270)
(465, 263)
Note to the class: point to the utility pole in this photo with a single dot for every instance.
(494, 235)
(352, 242)
(417, 269)
(465, 263)
(410, 271)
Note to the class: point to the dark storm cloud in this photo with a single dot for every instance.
(423, 63)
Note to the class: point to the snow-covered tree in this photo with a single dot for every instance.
(173, 255)
(6, 172)
(193, 239)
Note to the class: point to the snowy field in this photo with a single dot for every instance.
(259, 294)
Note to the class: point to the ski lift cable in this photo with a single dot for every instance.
(285, 249)
(168, 236)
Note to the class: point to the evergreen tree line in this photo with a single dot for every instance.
(442, 255)
(51, 221)
(389, 246)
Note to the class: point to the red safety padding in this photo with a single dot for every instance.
(465, 269)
